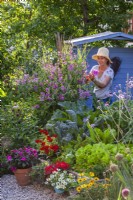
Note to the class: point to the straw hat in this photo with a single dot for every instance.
(102, 52)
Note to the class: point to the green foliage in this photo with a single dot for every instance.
(68, 122)
(68, 150)
(27, 27)
(121, 177)
(37, 173)
(93, 193)
(49, 84)
(97, 135)
(18, 124)
(89, 157)
(118, 116)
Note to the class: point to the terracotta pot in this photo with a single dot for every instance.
(22, 176)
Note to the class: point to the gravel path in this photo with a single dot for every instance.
(10, 190)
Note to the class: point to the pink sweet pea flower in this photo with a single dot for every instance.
(95, 72)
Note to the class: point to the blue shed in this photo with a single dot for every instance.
(126, 54)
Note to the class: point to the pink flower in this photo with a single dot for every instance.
(13, 169)
(95, 72)
(23, 159)
(125, 193)
(9, 158)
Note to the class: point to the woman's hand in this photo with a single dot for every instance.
(90, 77)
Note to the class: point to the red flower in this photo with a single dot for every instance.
(54, 147)
(62, 165)
(49, 139)
(42, 143)
(43, 131)
(50, 169)
(42, 148)
(55, 136)
(38, 141)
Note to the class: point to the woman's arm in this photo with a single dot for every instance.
(99, 83)
(102, 84)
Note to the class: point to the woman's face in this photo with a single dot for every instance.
(102, 61)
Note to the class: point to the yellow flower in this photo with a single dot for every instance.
(78, 189)
(81, 174)
(96, 178)
(80, 180)
(106, 185)
(84, 179)
(83, 186)
(107, 179)
(89, 185)
(92, 181)
(91, 174)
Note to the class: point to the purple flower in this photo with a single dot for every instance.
(55, 86)
(85, 119)
(9, 158)
(95, 72)
(13, 169)
(70, 67)
(35, 88)
(83, 94)
(92, 125)
(35, 80)
(63, 88)
(125, 193)
(61, 97)
(23, 159)
(47, 89)
(36, 106)
(41, 84)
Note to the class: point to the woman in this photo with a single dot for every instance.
(102, 74)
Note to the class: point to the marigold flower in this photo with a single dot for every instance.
(89, 185)
(92, 181)
(96, 178)
(78, 189)
(91, 174)
(81, 174)
(106, 185)
(83, 186)
(80, 180)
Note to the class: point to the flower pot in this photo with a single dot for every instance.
(22, 176)
(59, 191)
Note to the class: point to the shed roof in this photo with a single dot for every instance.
(100, 36)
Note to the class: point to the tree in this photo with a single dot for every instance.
(29, 25)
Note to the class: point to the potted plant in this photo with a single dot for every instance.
(60, 178)
(20, 161)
